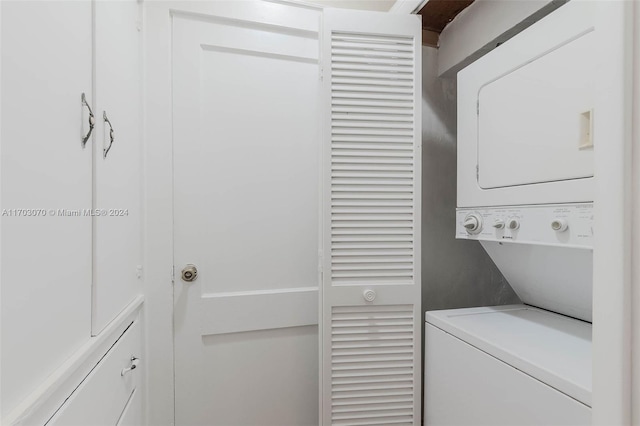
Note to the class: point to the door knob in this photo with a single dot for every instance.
(189, 273)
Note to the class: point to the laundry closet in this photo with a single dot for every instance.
(279, 212)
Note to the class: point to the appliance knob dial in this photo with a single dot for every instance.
(559, 225)
(498, 224)
(473, 223)
(514, 224)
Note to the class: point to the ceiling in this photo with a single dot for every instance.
(436, 14)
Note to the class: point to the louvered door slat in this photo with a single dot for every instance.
(400, 106)
(371, 349)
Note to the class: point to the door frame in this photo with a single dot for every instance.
(157, 208)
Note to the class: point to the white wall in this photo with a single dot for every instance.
(379, 5)
(612, 263)
(635, 209)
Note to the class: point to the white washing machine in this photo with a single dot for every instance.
(525, 192)
(524, 364)
(508, 365)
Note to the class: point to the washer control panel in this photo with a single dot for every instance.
(558, 224)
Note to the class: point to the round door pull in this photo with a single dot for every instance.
(369, 295)
(189, 273)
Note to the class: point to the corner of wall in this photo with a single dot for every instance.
(455, 273)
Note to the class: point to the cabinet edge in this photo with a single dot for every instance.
(43, 402)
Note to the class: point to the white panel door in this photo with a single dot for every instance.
(246, 207)
(118, 164)
(46, 182)
(371, 316)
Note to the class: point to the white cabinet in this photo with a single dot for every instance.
(117, 249)
(105, 394)
(71, 231)
(46, 173)
(132, 414)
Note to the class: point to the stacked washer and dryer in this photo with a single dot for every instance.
(525, 192)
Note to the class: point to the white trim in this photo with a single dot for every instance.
(407, 6)
(275, 308)
(299, 3)
(40, 405)
(612, 218)
(635, 226)
(158, 216)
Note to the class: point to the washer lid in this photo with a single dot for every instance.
(552, 348)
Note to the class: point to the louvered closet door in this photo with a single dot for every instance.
(371, 275)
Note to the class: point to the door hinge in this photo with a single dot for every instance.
(320, 262)
(173, 274)
(320, 72)
(477, 172)
(478, 107)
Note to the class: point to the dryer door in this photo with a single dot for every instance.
(534, 122)
(525, 115)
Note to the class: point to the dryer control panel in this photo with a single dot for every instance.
(567, 225)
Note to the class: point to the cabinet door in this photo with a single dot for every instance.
(132, 414)
(107, 393)
(117, 227)
(46, 184)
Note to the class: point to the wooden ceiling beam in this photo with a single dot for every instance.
(430, 38)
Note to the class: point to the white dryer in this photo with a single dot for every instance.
(525, 192)
(525, 115)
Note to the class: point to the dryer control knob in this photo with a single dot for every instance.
(514, 224)
(559, 225)
(498, 224)
(473, 223)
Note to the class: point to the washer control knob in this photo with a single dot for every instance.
(514, 224)
(473, 223)
(559, 225)
(369, 295)
(498, 224)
